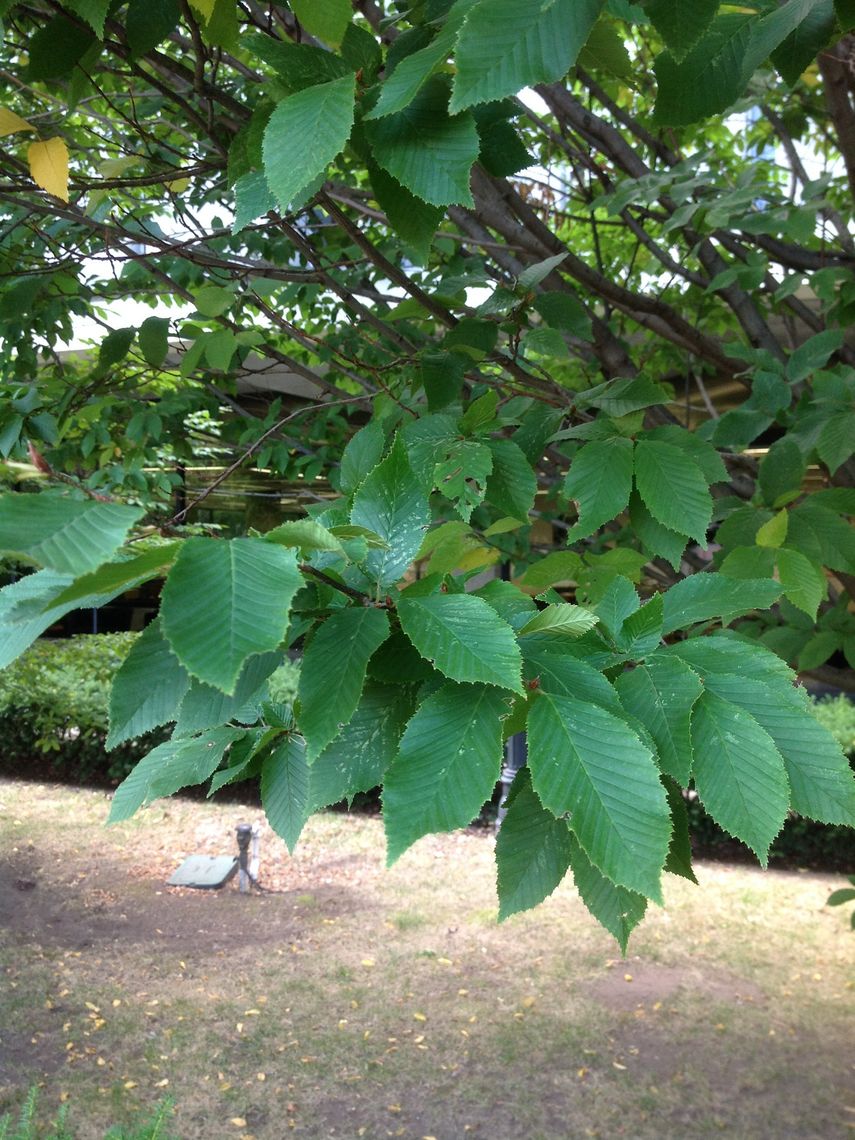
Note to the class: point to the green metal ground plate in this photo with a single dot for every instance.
(204, 871)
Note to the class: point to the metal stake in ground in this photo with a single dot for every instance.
(244, 834)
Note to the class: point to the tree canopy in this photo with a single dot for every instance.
(561, 289)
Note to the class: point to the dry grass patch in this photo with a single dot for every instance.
(364, 1002)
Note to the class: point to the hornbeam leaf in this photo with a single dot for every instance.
(62, 534)
(718, 653)
(147, 689)
(739, 772)
(94, 12)
(357, 759)
(306, 534)
(463, 637)
(706, 596)
(392, 503)
(414, 221)
(447, 766)
(10, 123)
(532, 851)
(333, 672)
(306, 132)
(641, 631)
(205, 707)
(48, 162)
(673, 488)
(617, 909)
(681, 23)
(148, 22)
(822, 785)
(600, 480)
(427, 150)
(413, 71)
(285, 789)
(326, 19)
(225, 601)
(709, 78)
(171, 766)
(803, 581)
(114, 576)
(661, 694)
(512, 484)
(562, 618)
(588, 763)
(564, 675)
(560, 566)
(680, 852)
(506, 45)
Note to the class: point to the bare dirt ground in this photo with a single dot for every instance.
(356, 1001)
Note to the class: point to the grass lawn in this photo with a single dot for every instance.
(357, 1001)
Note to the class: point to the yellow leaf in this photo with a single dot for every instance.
(49, 166)
(10, 123)
(238, 1122)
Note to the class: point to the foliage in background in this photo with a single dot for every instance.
(54, 702)
(27, 1127)
(596, 335)
(837, 714)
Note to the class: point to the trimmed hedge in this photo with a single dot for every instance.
(54, 710)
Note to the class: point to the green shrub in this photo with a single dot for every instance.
(28, 1128)
(54, 703)
(283, 683)
(837, 714)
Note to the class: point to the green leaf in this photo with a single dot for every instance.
(357, 759)
(253, 198)
(506, 45)
(147, 689)
(115, 577)
(709, 77)
(641, 632)
(814, 353)
(749, 562)
(837, 440)
(532, 851)
(617, 909)
(414, 221)
(803, 581)
(833, 538)
(587, 762)
(532, 275)
(703, 597)
(661, 694)
(600, 481)
(285, 789)
(94, 12)
(333, 672)
(656, 539)
(680, 852)
(428, 151)
(306, 132)
(562, 618)
(62, 534)
(818, 649)
(461, 474)
(837, 898)
(739, 773)
(299, 66)
(205, 707)
(363, 452)
(673, 488)
(148, 22)
(704, 454)
(622, 396)
(619, 600)
(225, 601)
(509, 602)
(397, 662)
(773, 532)
(153, 340)
(115, 347)
(411, 74)
(822, 785)
(557, 670)
(564, 312)
(326, 19)
(560, 566)
(798, 50)
(463, 637)
(512, 485)
(845, 10)
(56, 47)
(169, 768)
(306, 534)
(448, 763)
(681, 23)
(391, 502)
(717, 653)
